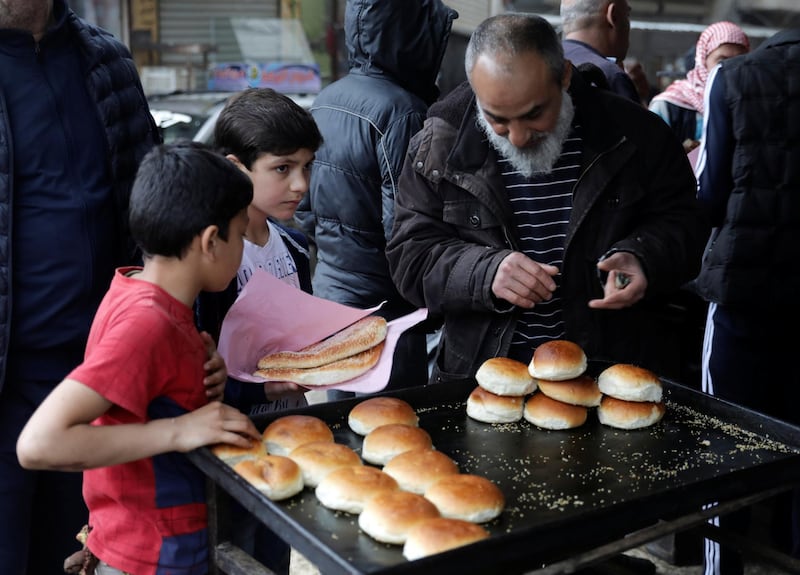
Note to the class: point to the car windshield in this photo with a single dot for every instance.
(175, 126)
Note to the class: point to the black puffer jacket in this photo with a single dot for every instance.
(367, 119)
(113, 83)
(453, 227)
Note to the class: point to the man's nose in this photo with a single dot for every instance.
(518, 135)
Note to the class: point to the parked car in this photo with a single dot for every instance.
(192, 115)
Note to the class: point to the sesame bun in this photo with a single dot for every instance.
(417, 469)
(275, 476)
(349, 488)
(377, 411)
(489, 407)
(630, 383)
(233, 454)
(468, 497)
(388, 516)
(440, 534)
(548, 413)
(386, 441)
(291, 431)
(505, 376)
(318, 458)
(557, 360)
(582, 390)
(629, 414)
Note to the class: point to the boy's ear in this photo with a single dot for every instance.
(209, 238)
(236, 162)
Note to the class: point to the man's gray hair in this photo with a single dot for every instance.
(507, 35)
(578, 14)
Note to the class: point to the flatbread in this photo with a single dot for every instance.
(328, 374)
(355, 338)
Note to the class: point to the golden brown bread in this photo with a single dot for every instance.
(624, 414)
(582, 390)
(467, 497)
(388, 516)
(440, 534)
(557, 360)
(276, 476)
(328, 374)
(291, 431)
(548, 413)
(377, 411)
(362, 335)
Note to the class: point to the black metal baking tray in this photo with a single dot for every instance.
(566, 491)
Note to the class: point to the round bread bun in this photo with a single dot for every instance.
(489, 407)
(582, 390)
(505, 376)
(291, 431)
(630, 383)
(377, 411)
(233, 454)
(417, 469)
(629, 414)
(349, 488)
(468, 497)
(386, 441)
(557, 360)
(440, 534)
(388, 516)
(318, 458)
(548, 413)
(275, 476)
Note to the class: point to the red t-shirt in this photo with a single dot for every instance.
(145, 355)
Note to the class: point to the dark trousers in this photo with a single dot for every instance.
(749, 360)
(41, 511)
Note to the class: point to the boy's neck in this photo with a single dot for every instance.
(176, 277)
(257, 229)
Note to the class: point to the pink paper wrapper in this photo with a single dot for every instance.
(270, 315)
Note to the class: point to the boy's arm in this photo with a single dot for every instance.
(59, 435)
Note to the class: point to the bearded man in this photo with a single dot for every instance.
(533, 206)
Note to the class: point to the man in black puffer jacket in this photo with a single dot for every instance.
(367, 118)
(74, 124)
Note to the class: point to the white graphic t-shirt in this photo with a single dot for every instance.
(274, 258)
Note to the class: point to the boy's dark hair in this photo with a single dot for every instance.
(260, 121)
(180, 189)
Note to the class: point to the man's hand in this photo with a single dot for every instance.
(521, 281)
(625, 282)
(216, 372)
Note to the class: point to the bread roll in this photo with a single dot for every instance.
(505, 376)
(629, 414)
(331, 373)
(468, 497)
(275, 476)
(318, 458)
(548, 413)
(377, 411)
(388, 516)
(488, 407)
(557, 360)
(233, 454)
(417, 469)
(291, 431)
(630, 383)
(386, 441)
(582, 390)
(349, 488)
(440, 534)
(360, 336)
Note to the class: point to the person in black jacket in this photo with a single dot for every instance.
(74, 124)
(749, 181)
(395, 49)
(534, 206)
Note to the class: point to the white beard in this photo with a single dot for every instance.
(541, 156)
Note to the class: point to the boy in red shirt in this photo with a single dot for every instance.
(141, 397)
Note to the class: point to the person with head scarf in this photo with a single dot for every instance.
(681, 103)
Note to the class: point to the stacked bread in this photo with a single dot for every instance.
(344, 355)
(565, 391)
(632, 397)
(503, 384)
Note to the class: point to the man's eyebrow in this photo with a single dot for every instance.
(535, 110)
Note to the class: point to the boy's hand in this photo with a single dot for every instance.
(215, 422)
(214, 382)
